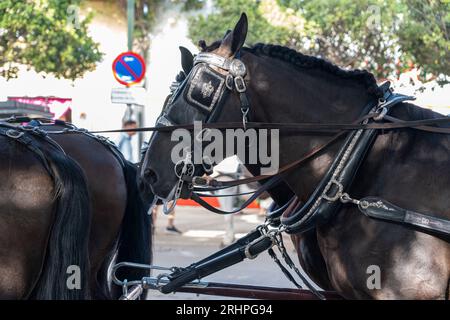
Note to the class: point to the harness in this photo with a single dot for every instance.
(214, 76)
(205, 90)
(37, 126)
(32, 138)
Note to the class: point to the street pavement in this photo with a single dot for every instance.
(202, 235)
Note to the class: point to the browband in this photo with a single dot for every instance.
(235, 66)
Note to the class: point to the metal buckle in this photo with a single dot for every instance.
(229, 82)
(14, 134)
(337, 195)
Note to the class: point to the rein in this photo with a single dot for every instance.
(302, 127)
(395, 123)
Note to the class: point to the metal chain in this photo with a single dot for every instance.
(186, 170)
(287, 259)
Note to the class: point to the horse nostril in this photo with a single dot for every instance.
(150, 176)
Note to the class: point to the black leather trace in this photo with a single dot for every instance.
(378, 208)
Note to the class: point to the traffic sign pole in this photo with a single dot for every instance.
(129, 69)
(130, 17)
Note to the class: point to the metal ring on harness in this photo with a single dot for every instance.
(14, 134)
(380, 114)
(337, 195)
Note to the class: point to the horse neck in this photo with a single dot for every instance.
(296, 95)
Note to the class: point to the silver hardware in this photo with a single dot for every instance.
(337, 195)
(134, 265)
(345, 198)
(213, 59)
(237, 68)
(207, 90)
(168, 209)
(364, 204)
(244, 118)
(133, 294)
(159, 282)
(187, 170)
(15, 134)
(125, 287)
(229, 82)
(159, 279)
(287, 259)
(380, 114)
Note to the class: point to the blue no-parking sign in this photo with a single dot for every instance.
(129, 68)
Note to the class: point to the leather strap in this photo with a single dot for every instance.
(266, 186)
(423, 125)
(313, 152)
(395, 123)
(381, 209)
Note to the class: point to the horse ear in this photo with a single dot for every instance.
(234, 40)
(187, 60)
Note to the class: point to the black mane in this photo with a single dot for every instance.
(304, 61)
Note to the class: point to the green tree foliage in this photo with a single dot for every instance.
(47, 35)
(386, 37)
(425, 37)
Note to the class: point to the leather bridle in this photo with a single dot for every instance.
(233, 79)
(204, 88)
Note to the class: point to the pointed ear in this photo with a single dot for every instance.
(187, 60)
(234, 40)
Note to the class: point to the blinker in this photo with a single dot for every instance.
(205, 88)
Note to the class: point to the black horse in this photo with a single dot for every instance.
(121, 225)
(68, 200)
(406, 167)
